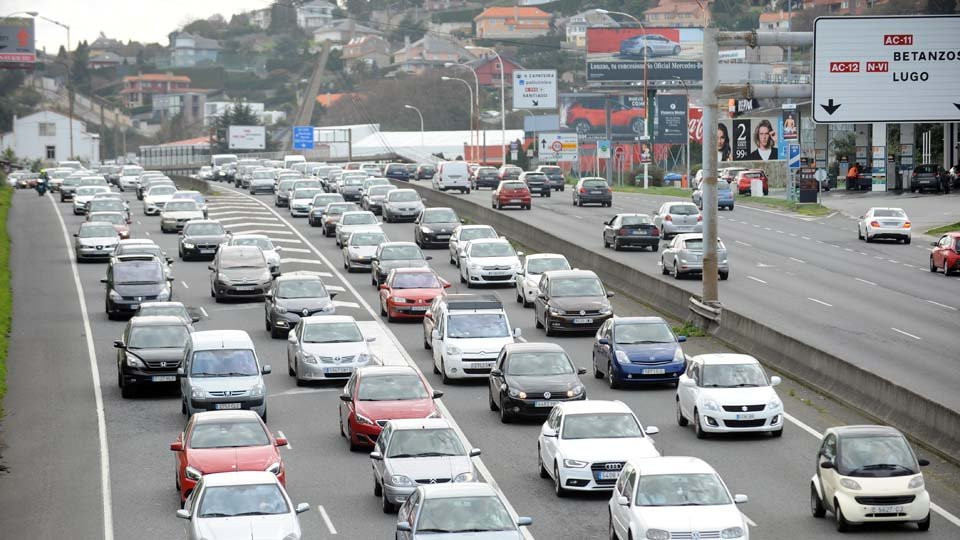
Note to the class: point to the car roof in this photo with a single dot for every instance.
(137, 242)
(93, 223)
(203, 417)
(155, 303)
(588, 406)
(397, 244)
(672, 465)
(636, 320)
(458, 489)
(419, 423)
(489, 241)
(157, 320)
(242, 251)
(326, 319)
(714, 359)
(885, 208)
(863, 431)
(691, 236)
(240, 478)
(533, 347)
(545, 256)
(554, 274)
(220, 339)
(475, 226)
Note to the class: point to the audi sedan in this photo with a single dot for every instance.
(327, 348)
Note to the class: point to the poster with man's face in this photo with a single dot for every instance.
(748, 139)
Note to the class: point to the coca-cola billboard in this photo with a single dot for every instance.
(695, 124)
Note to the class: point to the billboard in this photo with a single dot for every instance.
(757, 138)
(554, 147)
(671, 119)
(535, 89)
(17, 49)
(586, 114)
(246, 137)
(617, 54)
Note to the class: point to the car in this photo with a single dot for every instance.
(631, 230)
(68, 188)
(205, 173)
(465, 510)
(373, 197)
(408, 292)
(466, 333)
(629, 350)
(649, 45)
(372, 169)
(201, 238)
(485, 177)
(584, 444)
(376, 394)
(728, 393)
(176, 213)
(239, 272)
(303, 183)
(350, 185)
(281, 195)
(511, 193)
(390, 255)
(528, 277)
(489, 261)
(360, 248)
(332, 214)
(225, 441)
(223, 503)
(324, 348)
(418, 451)
(129, 176)
(684, 256)
(425, 171)
(396, 171)
(509, 172)
(587, 115)
(117, 219)
(149, 352)
(261, 181)
(724, 196)
(300, 200)
(744, 181)
(869, 474)
(726, 174)
(463, 234)
(674, 497)
(571, 301)
(156, 308)
(433, 227)
(152, 181)
(945, 254)
(95, 240)
(132, 279)
(194, 196)
(678, 217)
(319, 204)
(101, 203)
(554, 176)
(529, 379)
(156, 197)
(371, 182)
(590, 190)
(452, 175)
(144, 245)
(219, 163)
(884, 223)
(270, 251)
(401, 204)
(294, 296)
(85, 194)
(221, 371)
(537, 183)
(354, 221)
(929, 177)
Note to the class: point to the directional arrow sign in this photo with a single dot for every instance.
(886, 69)
(535, 89)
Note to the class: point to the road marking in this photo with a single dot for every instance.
(246, 218)
(805, 237)
(256, 224)
(793, 235)
(335, 288)
(750, 522)
(819, 302)
(767, 229)
(267, 232)
(848, 249)
(909, 265)
(185, 286)
(893, 261)
(942, 305)
(918, 338)
(304, 261)
(865, 281)
(106, 495)
(578, 217)
(878, 258)
(864, 254)
(312, 273)
(204, 312)
(298, 391)
(289, 446)
(296, 250)
(339, 303)
(146, 233)
(798, 260)
(139, 222)
(326, 519)
(757, 279)
(742, 243)
(780, 232)
(286, 240)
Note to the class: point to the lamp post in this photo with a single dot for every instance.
(69, 71)
(503, 112)
(687, 151)
(421, 122)
(471, 105)
(474, 127)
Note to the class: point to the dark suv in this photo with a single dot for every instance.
(929, 176)
(201, 238)
(485, 177)
(554, 175)
(132, 279)
(149, 352)
(397, 171)
(433, 227)
(571, 301)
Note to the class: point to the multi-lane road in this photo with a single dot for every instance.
(56, 443)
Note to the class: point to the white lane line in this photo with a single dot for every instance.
(304, 261)
(185, 286)
(878, 258)
(864, 254)
(247, 218)
(742, 243)
(951, 308)
(267, 231)
(819, 302)
(893, 261)
(326, 519)
(779, 231)
(256, 224)
(285, 240)
(820, 241)
(252, 212)
(848, 249)
(801, 261)
(909, 265)
(578, 217)
(296, 250)
(757, 279)
(865, 281)
(805, 237)
(918, 338)
(204, 312)
(335, 288)
(793, 235)
(338, 303)
(139, 222)
(767, 229)
(146, 233)
(750, 522)
(106, 497)
(312, 273)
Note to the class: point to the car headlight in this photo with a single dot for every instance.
(398, 299)
(850, 484)
(606, 311)
(774, 404)
(575, 391)
(401, 480)
(193, 474)
(657, 534)
(258, 390)
(164, 295)
(574, 463)
(363, 358)
(622, 357)
(309, 358)
(556, 312)
(279, 309)
(114, 295)
(188, 245)
(434, 414)
(514, 393)
(711, 406)
(328, 308)
(426, 230)
(133, 361)
(464, 477)
(916, 482)
(678, 355)
(197, 393)
(361, 419)
(732, 532)
(274, 468)
(473, 266)
(454, 350)
(223, 278)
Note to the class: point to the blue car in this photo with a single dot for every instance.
(638, 350)
(724, 196)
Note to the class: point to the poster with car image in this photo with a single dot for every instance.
(619, 54)
(586, 114)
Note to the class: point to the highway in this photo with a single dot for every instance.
(52, 404)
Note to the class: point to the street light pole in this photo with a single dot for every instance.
(421, 122)
(503, 112)
(69, 75)
(471, 103)
(475, 126)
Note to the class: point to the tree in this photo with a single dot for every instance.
(407, 28)
(844, 145)
(79, 70)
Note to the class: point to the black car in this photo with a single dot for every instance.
(529, 379)
(392, 255)
(571, 301)
(929, 176)
(425, 172)
(554, 176)
(537, 183)
(201, 238)
(485, 177)
(631, 230)
(319, 205)
(592, 191)
(433, 227)
(239, 272)
(293, 296)
(68, 188)
(149, 352)
(131, 280)
(397, 171)
(281, 196)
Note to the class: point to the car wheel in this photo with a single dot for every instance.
(859, 233)
(616, 245)
(946, 269)
(300, 382)
(276, 333)
(126, 391)
(842, 524)
(557, 485)
(676, 270)
(580, 203)
(467, 280)
(697, 428)
(605, 243)
(505, 416)
(536, 320)
(546, 325)
(377, 488)
(906, 240)
(383, 310)
(428, 346)
(777, 434)
(519, 298)
(611, 532)
(387, 506)
(933, 267)
(724, 276)
(540, 468)
(443, 372)
(353, 446)
(373, 278)
(663, 267)
(681, 419)
(816, 504)
(611, 377)
(867, 237)
(924, 524)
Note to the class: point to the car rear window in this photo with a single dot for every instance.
(684, 210)
(594, 184)
(514, 185)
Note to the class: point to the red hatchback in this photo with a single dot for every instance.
(745, 177)
(407, 292)
(945, 255)
(511, 193)
(376, 394)
(225, 441)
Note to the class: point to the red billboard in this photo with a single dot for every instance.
(632, 54)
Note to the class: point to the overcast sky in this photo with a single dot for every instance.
(139, 20)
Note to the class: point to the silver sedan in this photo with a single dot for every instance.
(684, 255)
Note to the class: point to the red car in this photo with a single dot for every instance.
(587, 117)
(511, 193)
(946, 254)
(746, 176)
(376, 394)
(225, 441)
(407, 292)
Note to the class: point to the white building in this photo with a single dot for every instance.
(576, 26)
(213, 109)
(45, 135)
(261, 17)
(316, 14)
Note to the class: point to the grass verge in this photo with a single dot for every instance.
(945, 229)
(668, 191)
(806, 209)
(6, 299)
(689, 329)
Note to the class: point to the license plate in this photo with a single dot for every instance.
(443, 237)
(338, 370)
(747, 416)
(886, 510)
(226, 406)
(419, 309)
(134, 306)
(246, 288)
(514, 200)
(545, 403)
(608, 475)
(164, 378)
(659, 371)
(582, 321)
(480, 365)
(207, 251)
(635, 233)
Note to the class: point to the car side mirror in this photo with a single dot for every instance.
(333, 294)
(429, 257)
(171, 278)
(603, 341)
(623, 501)
(118, 344)
(775, 380)
(278, 249)
(382, 287)
(195, 318)
(923, 462)
(827, 465)
(437, 394)
(681, 339)
(495, 372)
(651, 430)
(581, 371)
(404, 526)
(462, 220)
(548, 431)
(611, 294)
(292, 338)
(524, 521)
(474, 452)
(302, 507)
(183, 513)
(371, 339)
(934, 244)
(740, 498)
(542, 296)
(688, 382)
(517, 332)
(376, 456)
(210, 267)
(267, 295)
(104, 280)
(176, 446)
(266, 370)
(345, 397)
(169, 260)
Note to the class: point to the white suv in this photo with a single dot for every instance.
(489, 261)
(466, 333)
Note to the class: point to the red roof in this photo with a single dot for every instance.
(157, 77)
(498, 12)
(329, 99)
(196, 141)
(774, 17)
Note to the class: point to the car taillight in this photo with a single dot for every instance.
(906, 225)
(583, 190)
(623, 232)
(700, 218)
(609, 190)
(668, 217)
(875, 224)
(655, 231)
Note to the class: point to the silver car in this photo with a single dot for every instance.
(301, 199)
(245, 504)
(402, 204)
(352, 222)
(465, 233)
(684, 255)
(678, 217)
(350, 186)
(270, 251)
(326, 348)
(373, 198)
(95, 240)
(471, 510)
(418, 451)
(85, 194)
(359, 249)
(221, 371)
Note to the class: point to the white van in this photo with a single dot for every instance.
(289, 160)
(452, 175)
(217, 161)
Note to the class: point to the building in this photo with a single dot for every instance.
(139, 89)
(104, 46)
(512, 22)
(103, 59)
(675, 13)
(214, 109)
(373, 51)
(316, 14)
(488, 70)
(189, 104)
(188, 50)
(575, 28)
(46, 135)
(341, 31)
(429, 52)
(261, 17)
(843, 7)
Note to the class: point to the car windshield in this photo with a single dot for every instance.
(98, 231)
(486, 171)
(162, 190)
(180, 206)
(158, 337)
(149, 249)
(540, 265)
(116, 219)
(306, 193)
(702, 489)
(285, 185)
(224, 363)
(242, 500)
(241, 258)
(98, 205)
(889, 213)
(401, 253)
(733, 376)
(341, 332)
(376, 191)
(394, 387)
(464, 514)
(876, 455)
(228, 434)
(301, 288)
(339, 208)
(416, 280)
(539, 363)
(477, 233)
(203, 229)
(367, 239)
(492, 249)
(170, 311)
(195, 197)
(440, 216)
(359, 219)
(324, 200)
(427, 168)
(261, 242)
(406, 443)
(551, 170)
(89, 191)
(477, 325)
(260, 175)
(403, 196)
(536, 177)
(354, 181)
(635, 220)
(132, 171)
(594, 184)
(635, 333)
(684, 210)
(576, 287)
(600, 426)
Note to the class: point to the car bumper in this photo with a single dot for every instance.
(281, 201)
(642, 240)
(536, 408)
(327, 372)
(727, 422)
(568, 323)
(233, 403)
(397, 494)
(648, 373)
(856, 512)
(888, 232)
(66, 195)
(148, 377)
(127, 307)
(590, 198)
(173, 224)
(458, 367)
(261, 189)
(376, 208)
(351, 196)
(198, 251)
(584, 479)
(79, 208)
(515, 202)
(696, 267)
(364, 263)
(400, 214)
(435, 240)
(486, 182)
(94, 253)
(365, 434)
(236, 290)
(300, 212)
(670, 229)
(480, 278)
(290, 319)
(407, 311)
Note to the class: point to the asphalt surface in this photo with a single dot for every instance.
(62, 435)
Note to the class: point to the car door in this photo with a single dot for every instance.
(540, 302)
(293, 345)
(620, 514)
(688, 394)
(494, 381)
(437, 340)
(452, 245)
(658, 217)
(828, 477)
(191, 506)
(550, 446)
(939, 253)
(601, 351)
(381, 446)
(416, 228)
(608, 230)
(346, 407)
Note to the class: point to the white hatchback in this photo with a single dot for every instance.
(534, 265)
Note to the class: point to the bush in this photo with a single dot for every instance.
(656, 176)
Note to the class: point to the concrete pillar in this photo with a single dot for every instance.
(878, 155)
(951, 145)
(907, 151)
(821, 145)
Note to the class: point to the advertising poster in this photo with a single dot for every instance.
(695, 124)
(586, 114)
(749, 139)
(741, 139)
(618, 54)
(671, 119)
